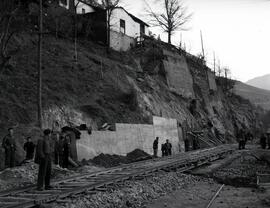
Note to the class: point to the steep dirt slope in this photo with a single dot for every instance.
(108, 88)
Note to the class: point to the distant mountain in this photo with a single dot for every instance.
(257, 96)
(262, 82)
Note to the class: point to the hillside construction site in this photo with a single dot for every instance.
(150, 127)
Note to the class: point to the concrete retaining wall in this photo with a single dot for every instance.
(212, 81)
(128, 137)
(120, 41)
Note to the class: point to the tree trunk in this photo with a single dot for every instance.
(169, 37)
(75, 39)
(75, 32)
(108, 31)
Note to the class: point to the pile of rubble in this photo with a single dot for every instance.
(134, 193)
(18, 176)
(107, 160)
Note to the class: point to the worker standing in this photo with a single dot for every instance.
(155, 146)
(241, 139)
(168, 147)
(29, 148)
(66, 150)
(263, 140)
(163, 149)
(9, 146)
(56, 147)
(43, 158)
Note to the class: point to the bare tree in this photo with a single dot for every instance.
(173, 17)
(109, 6)
(8, 11)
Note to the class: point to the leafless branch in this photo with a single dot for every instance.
(174, 17)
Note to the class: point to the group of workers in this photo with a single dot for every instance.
(243, 136)
(166, 148)
(52, 147)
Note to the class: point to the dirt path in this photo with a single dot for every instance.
(200, 195)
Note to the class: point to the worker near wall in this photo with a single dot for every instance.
(56, 147)
(9, 146)
(268, 138)
(163, 150)
(168, 146)
(155, 146)
(29, 148)
(263, 140)
(43, 158)
(66, 149)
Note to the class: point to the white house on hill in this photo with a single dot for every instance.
(125, 27)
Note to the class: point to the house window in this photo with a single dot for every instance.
(142, 29)
(64, 2)
(122, 26)
(83, 11)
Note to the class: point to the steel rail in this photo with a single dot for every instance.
(100, 181)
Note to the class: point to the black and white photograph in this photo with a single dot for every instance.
(134, 104)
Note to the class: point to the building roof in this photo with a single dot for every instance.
(136, 19)
(94, 4)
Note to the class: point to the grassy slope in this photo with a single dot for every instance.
(90, 85)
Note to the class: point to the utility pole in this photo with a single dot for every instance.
(202, 46)
(180, 41)
(39, 89)
(214, 62)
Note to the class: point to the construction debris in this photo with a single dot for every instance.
(107, 160)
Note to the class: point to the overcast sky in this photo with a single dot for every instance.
(238, 31)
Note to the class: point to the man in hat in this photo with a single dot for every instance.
(29, 148)
(43, 158)
(168, 146)
(9, 146)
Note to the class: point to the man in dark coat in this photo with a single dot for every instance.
(155, 146)
(43, 158)
(168, 147)
(66, 150)
(29, 148)
(263, 141)
(9, 146)
(163, 150)
(56, 147)
(241, 139)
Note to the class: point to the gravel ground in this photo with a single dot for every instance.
(242, 172)
(26, 174)
(134, 193)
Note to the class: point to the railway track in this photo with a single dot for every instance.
(100, 181)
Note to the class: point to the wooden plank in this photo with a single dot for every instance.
(12, 198)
